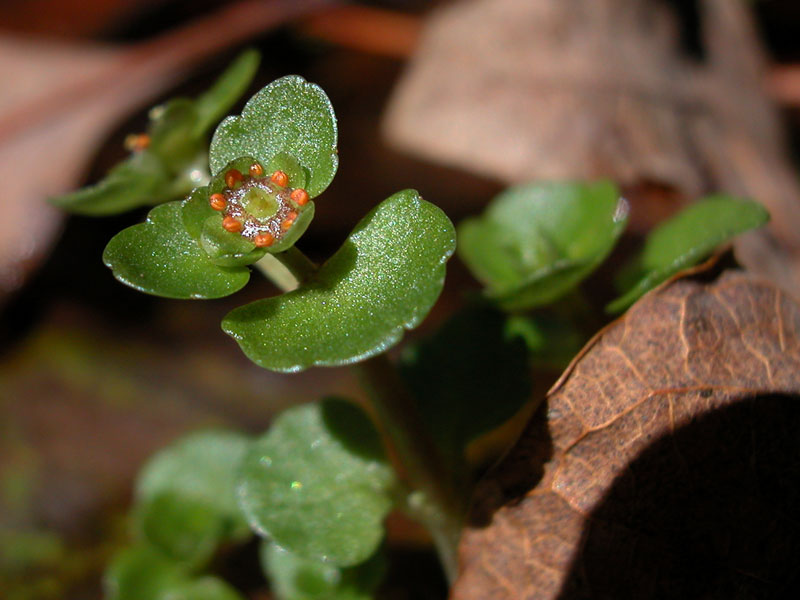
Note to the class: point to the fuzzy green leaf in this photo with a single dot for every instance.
(212, 105)
(159, 257)
(686, 239)
(182, 528)
(318, 483)
(295, 578)
(537, 242)
(383, 280)
(289, 115)
(200, 468)
(468, 378)
(141, 179)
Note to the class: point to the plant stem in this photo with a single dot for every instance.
(434, 501)
(288, 269)
(438, 507)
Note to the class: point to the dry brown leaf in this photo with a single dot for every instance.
(665, 464)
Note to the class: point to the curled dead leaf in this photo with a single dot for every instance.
(665, 463)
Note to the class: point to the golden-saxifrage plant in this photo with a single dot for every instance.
(317, 485)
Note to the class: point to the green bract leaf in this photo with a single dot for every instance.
(383, 280)
(141, 572)
(160, 257)
(468, 378)
(289, 115)
(212, 105)
(537, 242)
(318, 483)
(171, 134)
(200, 468)
(685, 239)
(295, 578)
(183, 528)
(141, 179)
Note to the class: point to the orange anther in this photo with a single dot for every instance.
(136, 142)
(217, 201)
(262, 240)
(299, 196)
(231, 224)
(288, 221)
(256, 170)
(233, 177)
(281, 178)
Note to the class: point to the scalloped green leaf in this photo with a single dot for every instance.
(685, 240)
(468, 378)
(200, 468)
(537, 242)
(295, 578)
(227, 89)
(184, 529)
(159, 257)
(383, 280)
(318, 483)
(289, 115)
(141, 179)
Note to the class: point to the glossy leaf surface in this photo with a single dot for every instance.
(685, 240)
(318, 483)
(383, 280)
(289, 115)
(200, 468)
(536, 242)
(159, 257)
(295, 578)
(468, 378)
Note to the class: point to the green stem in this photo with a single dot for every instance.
(288, 269)
(434, 501)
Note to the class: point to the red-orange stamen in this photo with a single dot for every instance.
(136, 142)
(299, 196)
(231, 224)
(217, 201)
(256, 170)
(233, 177)
(281, 178)
(262, 240)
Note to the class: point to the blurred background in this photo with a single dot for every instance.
(672, 99)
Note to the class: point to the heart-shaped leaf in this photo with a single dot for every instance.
(318, 483)
(684, 240)
(160, 257)
(537, 242)
(469, 378)
(383, 280)
(292, 577)
(199, 468)
(291, 116)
